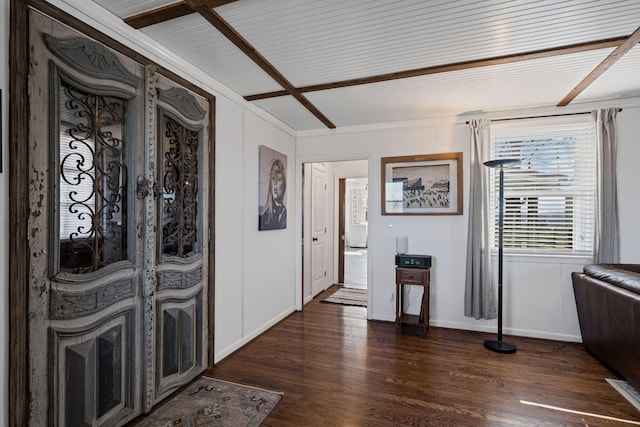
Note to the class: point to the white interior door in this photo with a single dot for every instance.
(117, 301)
(319, 277)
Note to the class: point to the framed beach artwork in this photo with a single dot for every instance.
(429, 184)
(272, 203)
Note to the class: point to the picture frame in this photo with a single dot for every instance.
(427, 184)
(272, 198)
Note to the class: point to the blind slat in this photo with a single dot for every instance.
(550, 195)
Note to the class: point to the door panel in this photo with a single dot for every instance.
(342, 185)
(100, 389)
(84, 256)
(318, 229)
(182, 241)
(118, 236)
(180, 342)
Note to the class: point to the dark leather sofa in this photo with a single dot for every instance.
(608, 302)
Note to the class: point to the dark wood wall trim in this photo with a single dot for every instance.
(212, 231)
(342, 196)
(241, 43)
(205, 9)
(159, 15)
(166, 13)
(457, 66)
(611, 59)
(18, 214)
(19, 195)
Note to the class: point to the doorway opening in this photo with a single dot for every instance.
(356, 233)
(335, 226)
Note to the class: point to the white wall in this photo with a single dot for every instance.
(538, 294)
(628, 183)
(4, 219)
(229, 227)
(269, 256)
(355, 213)
(349, 171)
(255, 279)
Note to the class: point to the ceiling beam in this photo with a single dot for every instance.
(234, 37)
(456, 66)
(166, 13)
(613, 57)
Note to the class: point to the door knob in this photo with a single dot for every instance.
(315, 239)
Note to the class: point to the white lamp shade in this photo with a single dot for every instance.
(402, 244)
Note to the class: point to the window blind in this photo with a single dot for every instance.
(549, 197)
(76, 186)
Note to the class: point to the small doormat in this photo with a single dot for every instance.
(348, 296)
(628, 390)
(214, 403)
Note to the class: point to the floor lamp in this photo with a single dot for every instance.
(498, 345)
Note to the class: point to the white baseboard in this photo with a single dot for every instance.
(508, 331)
(254, 334)
(385, 318)
(434, 322)
(492, 329)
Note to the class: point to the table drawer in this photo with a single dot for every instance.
(411, 275)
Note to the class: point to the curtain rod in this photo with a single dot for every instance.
(542, 117)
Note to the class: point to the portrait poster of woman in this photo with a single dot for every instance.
(272, 209)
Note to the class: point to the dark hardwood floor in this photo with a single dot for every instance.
(338, 369)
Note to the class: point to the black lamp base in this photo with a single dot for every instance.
(500, 346)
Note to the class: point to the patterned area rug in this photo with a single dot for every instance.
(628, 390)
(348, 296)
(214, 403)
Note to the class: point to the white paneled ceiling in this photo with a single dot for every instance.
(204, 47)
(620, 81)
(124, 8)
(330, 40)
(289, 111)
(493, 88)
(310, 42)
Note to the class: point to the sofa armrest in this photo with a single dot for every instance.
(626, 276)
(609, 317)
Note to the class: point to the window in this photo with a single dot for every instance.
(179, 189)
(549, 197)
(92, 180)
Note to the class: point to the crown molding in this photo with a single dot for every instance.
(461, 119)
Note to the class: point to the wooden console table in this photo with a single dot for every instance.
(418, 277)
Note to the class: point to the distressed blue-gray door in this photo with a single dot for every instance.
(117, 297)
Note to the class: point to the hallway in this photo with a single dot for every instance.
(355, 268)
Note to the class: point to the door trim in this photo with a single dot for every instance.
(19, 196)
(342, 190)
(19, 205)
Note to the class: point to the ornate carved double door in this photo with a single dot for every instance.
(118, 232)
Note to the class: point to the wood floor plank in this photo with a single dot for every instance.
(338, 369)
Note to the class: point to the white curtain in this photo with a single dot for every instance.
(607, 233)
(479, 298)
